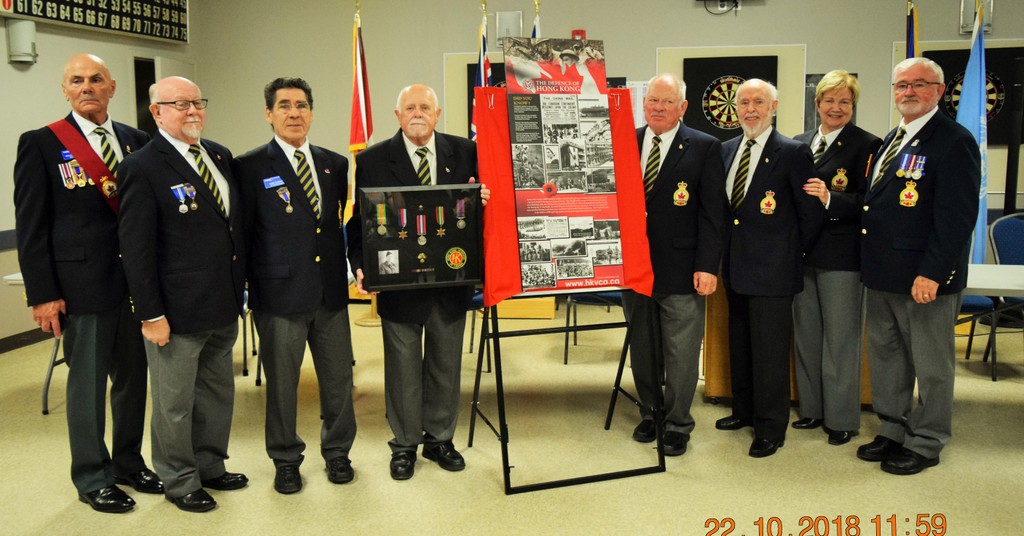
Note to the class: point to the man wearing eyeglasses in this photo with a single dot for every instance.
(181, 239)
(687, 210)
(66, 203)
(919, 211)
(293, 193)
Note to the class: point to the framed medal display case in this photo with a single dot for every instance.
(421, 236)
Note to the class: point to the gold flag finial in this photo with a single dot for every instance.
(536, 7)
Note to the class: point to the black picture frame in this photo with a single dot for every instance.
(397, 257)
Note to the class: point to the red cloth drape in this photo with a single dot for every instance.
(494, 160)
(629, 194)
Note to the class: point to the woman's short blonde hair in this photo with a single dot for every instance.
(835, 80)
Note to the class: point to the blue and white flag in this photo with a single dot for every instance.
(972, 113)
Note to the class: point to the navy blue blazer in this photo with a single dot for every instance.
(931, 235)
(765, 251)
(188, 266)
(686, 235)
(844, 168)
(387, 164)
(67, 239)
(295, 264)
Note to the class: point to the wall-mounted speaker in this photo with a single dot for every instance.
(21, 41)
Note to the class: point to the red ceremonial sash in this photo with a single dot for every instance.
(75, 142)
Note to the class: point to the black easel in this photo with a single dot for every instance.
(493, 336)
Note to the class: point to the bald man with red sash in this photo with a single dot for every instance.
(66, 208)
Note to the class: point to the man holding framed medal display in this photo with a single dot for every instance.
(422, 327)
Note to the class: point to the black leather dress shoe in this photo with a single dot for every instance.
(807, 423)
(762, 448)
(109, 500)
(195, 502)
(645, 432)
(339, 470)
(675, 443)
(226, 482)
(287, 479)
(144, 481)
(445, 455)
(403, 465)
(731, 422)
(840, 437)
(879, 450)
(908, 462)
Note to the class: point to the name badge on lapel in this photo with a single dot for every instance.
(273, 182)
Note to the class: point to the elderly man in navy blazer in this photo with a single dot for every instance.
(181, 238)
(774, 223)
(66, 205)
(919, 210)
(293, 193)
(686, 225)
(422, 328)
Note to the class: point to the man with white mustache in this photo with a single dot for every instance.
(919, 211)
(181, 240)
(774, 223)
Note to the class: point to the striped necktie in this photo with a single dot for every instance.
(890, 155)
(820, 150)
(739, 185)
(653, 164)
(204, 172)
(108, 155)
(423, 171)
(306, 180)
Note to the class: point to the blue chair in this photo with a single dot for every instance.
(1006, 236)
(976, 307)
(606, 299)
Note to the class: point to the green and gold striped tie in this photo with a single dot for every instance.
(423, 171)
(108, 154)
(653, 165)
(820, 151)
(306, 180)
(890, 154)
(204, 172)
(739, 185)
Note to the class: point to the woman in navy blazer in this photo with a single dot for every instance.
(827, 315)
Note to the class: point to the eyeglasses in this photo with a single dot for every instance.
(667, 102)
(301, 106)
(183, 105)
(902, 87)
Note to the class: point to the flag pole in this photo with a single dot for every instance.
(360, 91)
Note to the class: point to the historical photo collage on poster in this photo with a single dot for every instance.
(562, 164)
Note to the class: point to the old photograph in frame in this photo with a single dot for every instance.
(421, 236)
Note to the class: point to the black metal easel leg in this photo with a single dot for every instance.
(500, 391)
(474, 406)
(617, 387)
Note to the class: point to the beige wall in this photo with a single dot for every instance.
(239, 46)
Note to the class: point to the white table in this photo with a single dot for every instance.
(995, 280)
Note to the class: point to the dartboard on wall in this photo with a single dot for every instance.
(714, 81)
(995, 95)
(719, 102)
(999, 68)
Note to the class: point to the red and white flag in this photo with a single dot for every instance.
(362, 120)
